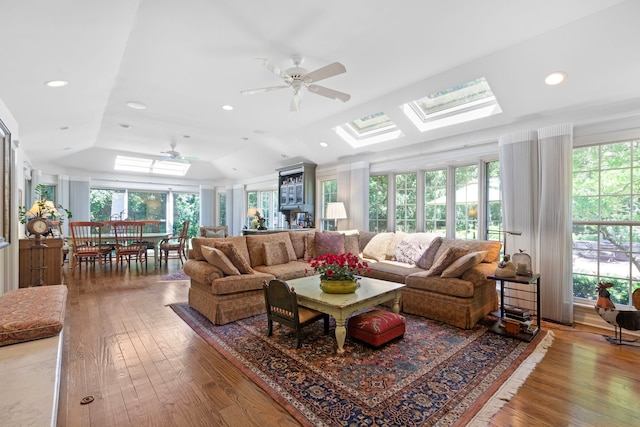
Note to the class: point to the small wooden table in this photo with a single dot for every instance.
(370, 293)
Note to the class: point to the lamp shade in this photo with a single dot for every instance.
(252, 212)
(42, 208)
(336, 210)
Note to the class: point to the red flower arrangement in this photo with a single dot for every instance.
(339, 266)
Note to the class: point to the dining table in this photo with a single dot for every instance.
(154, 238)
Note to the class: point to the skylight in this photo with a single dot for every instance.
(462, 103)
(368, 130)
(160, 167)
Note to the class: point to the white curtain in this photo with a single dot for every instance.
(535, 170)
(555, 145)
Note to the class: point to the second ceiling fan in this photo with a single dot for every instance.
(300, 79)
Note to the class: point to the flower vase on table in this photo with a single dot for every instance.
(339, 272)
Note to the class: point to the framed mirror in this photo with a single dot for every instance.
(5, 202)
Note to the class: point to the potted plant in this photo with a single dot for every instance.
(44, 208)
(339, 273)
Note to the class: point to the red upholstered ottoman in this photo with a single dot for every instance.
(376, 327)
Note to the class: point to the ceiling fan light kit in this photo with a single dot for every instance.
(299, 79)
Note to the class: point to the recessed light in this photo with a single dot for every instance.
(136, 105)
(323, 144)
(186, 136)
(227, 107)
(63, 128)
(244, 138)
(555, 78)
(56, 83)
(124, 125)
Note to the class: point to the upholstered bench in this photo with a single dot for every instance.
(31, 321)
(32, 313)
(376, 327)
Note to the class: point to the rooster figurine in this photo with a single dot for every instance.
(620, 319)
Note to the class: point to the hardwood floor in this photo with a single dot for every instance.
(145, 367)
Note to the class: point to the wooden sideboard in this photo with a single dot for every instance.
(31, 258)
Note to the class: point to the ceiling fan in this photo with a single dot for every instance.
(299, 79)
(175, 155)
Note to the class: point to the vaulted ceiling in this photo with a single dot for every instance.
(186, 59)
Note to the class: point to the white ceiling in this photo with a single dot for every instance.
(185, 59)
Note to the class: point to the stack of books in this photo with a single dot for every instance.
(522, 316)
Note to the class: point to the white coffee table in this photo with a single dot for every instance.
(370, 293)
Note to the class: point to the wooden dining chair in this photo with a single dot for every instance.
(175, 244)
(150, 226)
(282, 307)
(86, 239)
(129, 244)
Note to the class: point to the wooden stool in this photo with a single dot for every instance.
(376, 327)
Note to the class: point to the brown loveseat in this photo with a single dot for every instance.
(461, 299)
(226, 298)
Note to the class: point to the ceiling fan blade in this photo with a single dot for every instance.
(269, 66)
(263, 89)
(325, 72)
(329, 93)
(296, 100)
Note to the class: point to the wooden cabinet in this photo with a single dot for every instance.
(296, 186)
(32, 259)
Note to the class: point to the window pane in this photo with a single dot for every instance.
(222, 206)
(466, 207)
(378, 197)
(186, 206)
(494, 201)
(147, 205)
(406, 202)
(329, 195)
(435, 198)
(106, 204)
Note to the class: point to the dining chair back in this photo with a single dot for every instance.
(176, 245)
(129, 244)
(282, 307)
(86, 239)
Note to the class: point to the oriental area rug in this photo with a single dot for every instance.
(435, 375)
(177, 275)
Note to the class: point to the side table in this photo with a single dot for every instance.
(498, 327)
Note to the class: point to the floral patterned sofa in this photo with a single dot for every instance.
(446, 279)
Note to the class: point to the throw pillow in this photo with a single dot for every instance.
(462, 264)
(216, 234)
(310, 246)
(426, 260)
(351, 244)
(408, 252)
(218, 259)
(236, 257)
(377, 246)
(398, 236)
(445, 260)
(275, 253)
(327, 243)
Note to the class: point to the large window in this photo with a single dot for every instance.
(466, 204)
(606, 219)
(406, 199)
(378, 198)
(329, 194)
(435, 202)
